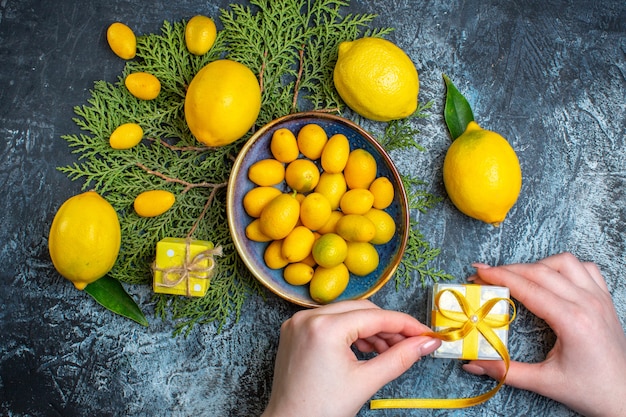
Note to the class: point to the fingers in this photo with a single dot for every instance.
(557, 273)
(379, 343)
(574, 271)
(377, 330)
(542, 301)
(596, 275)
(361, 323)
(330, 309)
(530, 377)
(537, 276)
(548, 285)
(397, 359)
(344, 306)
(376, 322)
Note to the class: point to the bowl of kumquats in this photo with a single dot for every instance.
(317, 209)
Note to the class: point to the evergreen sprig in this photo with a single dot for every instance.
(292, 47)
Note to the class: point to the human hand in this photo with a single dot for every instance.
(586, 368)
(317, 373)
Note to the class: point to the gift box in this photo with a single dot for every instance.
(184, 266)
(471, 314)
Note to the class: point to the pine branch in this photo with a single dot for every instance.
(292, 47)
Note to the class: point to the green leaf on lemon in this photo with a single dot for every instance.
(457, 111)
(110, 294)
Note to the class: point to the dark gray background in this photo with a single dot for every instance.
(548, 75)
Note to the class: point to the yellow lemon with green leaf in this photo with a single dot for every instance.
(85, 238)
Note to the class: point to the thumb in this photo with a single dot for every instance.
(521, 375)
(396, 360)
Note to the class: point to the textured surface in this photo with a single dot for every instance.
(548, 75)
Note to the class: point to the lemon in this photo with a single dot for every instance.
(273, 255)
(300, 197)
(298, 273)
(257, 198)
(482, 174)
(383, 192)
(384, 224)
(84, 239)
(153, 203)
(315, 211)
(302, 175)
(298, 244)
(310, 260)
(222, 102)
(143, 85)
(200, 34)
(125, 136)
(266, 172)
(362, 258)
(330, 225)
(376, 79)
(357, 201)
(311, 140)
(329, 250)
(254, 233)
(284, 146)
(355, 228)
(332, 186)
(328, 283)
(335, 154)
(280, 216)
(122, 40)
(360, 170)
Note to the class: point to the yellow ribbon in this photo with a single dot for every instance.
(465, 322)
(191, 268)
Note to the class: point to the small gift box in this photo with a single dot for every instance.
(474, 317)
(184, 266)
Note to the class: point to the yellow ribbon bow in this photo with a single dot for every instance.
(462, 324)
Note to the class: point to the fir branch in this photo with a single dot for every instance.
(419, 198)
(180, 148)
(401, 134)
(292, 47)
(417, 256)
(188, 185)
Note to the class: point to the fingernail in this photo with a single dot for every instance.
(429, 347)
(474, 369)
(479, 265)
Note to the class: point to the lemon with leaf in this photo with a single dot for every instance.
(85, 238)
(481, 171)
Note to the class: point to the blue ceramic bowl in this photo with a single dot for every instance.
(257, 148)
